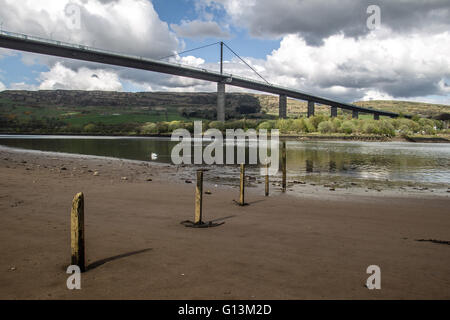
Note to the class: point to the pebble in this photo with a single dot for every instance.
(149, 180)
(208, 192)
(124, 178)
(96, 173)
(188, 181)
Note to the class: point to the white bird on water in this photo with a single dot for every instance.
(154, 156)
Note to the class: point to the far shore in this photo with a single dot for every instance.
(314, 246)
(304, 137)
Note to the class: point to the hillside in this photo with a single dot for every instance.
(83, 107)
(269, 104)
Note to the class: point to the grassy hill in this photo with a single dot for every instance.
(295, 107)
(79, 108)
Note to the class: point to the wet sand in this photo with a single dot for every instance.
(313, 246)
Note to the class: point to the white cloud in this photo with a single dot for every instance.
(60, 77)
(116, 25)
(198, 29)
(2, 86)
(393, 64)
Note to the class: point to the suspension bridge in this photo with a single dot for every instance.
(28, 43)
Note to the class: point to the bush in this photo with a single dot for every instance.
(298, 126)
(386, 128)
(219, 125)
(326, 127)
(405, 131)
(174, 125)
(266, 125)
(315, 120)
(162, 127)
(149, 128)
(309, 125)
(284, 125)
(348, 127)
(427, 129)
(370, 127)
(89, 128)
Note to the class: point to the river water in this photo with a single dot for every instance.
(385, 163)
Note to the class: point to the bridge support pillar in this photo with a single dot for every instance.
(355, 114)
(333, 112)
(221, 101)
(376, 116)
(282, 109)
(310, 108)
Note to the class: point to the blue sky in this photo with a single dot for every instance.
(322, 47)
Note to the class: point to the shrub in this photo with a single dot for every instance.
(326, 127)
(89, 128)
(162, 127)
(149, 128)
(315, 120)
(173, 125)
(298, 125)
(405, 131)
(386, 128)
(284, 125)
(219, 125)
(266, 125)
(348, 127)
(427, 129)
(309, 125)
(370, 127)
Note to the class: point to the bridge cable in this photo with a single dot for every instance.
(179, 53)
(246, 63)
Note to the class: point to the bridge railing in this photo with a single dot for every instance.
(198, 69)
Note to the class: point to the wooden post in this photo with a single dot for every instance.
(267, 179)
(242, 188)
(77, 231)
(199, 197)
(283, 166)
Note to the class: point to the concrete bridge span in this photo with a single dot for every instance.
(32, 44)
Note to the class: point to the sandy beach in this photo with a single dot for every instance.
(314, 246)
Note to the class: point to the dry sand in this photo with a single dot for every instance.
(313, 246)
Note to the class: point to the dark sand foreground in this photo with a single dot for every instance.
(281, 247)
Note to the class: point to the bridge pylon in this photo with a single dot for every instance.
(282, 109)
(221, 101)
(310, 108)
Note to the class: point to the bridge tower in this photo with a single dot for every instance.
(334, 112)
(221, 91)
(282, 109)
(310, 108)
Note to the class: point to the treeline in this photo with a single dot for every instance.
(317, 124)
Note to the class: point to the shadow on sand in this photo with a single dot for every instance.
(98, 263)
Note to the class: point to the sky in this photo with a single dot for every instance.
(348, 50)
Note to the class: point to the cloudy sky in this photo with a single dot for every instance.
(322, 47)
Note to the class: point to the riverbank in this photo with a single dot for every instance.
(317, 245)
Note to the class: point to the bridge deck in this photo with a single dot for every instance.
(80, 52)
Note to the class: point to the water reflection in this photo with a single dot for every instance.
(358, 160)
